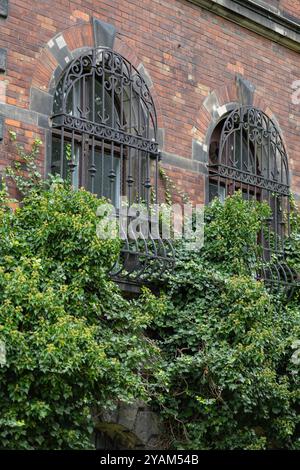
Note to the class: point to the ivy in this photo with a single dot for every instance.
(171, 188)
(229, 345)
(72, 343)
(216, 353)
(24, 170)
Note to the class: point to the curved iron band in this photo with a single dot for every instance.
(151, 257)
(103, 60)
(249, 179)
(253, 120)
(279, 276)
(260, 128)
(148, 265)
(101, 131)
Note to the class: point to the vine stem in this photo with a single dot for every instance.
(171, 188)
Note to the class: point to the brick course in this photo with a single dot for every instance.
(291, 7)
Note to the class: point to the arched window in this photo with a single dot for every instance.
(247, 154)
(104, 138)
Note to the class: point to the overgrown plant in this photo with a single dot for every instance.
(72, 342)
(216, 352)
(24, 170)
(228, 343)
(171, 188)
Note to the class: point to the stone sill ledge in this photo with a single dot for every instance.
(265, 20)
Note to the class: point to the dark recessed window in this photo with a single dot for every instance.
(104, 128)
(104, 138)
(247, 154)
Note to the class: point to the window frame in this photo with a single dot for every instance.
(258, 183)
(131, 138)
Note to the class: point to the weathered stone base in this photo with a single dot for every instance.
(128, 427)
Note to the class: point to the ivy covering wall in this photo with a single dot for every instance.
(230, 346)
(215, 353)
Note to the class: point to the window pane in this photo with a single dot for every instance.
(102, 182)
(214, 192)
(56, 160)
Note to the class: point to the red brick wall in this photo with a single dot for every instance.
(187, 51)
(291, 6)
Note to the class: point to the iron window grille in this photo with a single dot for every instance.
(104, 138)
(247, 153)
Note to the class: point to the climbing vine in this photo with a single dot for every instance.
(216, 353)
(171, 188)
(229, 345)
(69, 342)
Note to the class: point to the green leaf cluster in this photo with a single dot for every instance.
(228, 343)
(216, 352)
(72, 343)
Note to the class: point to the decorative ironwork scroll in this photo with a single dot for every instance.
(104, 128)
(249, 155)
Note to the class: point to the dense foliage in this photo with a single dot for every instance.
(228, 343)
(217, 352)
(72, 341)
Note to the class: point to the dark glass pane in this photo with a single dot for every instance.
(56, 166)
(100, 106)
(56, 156)
(103, 184)
(214, 192)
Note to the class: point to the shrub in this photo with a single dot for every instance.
(72, 342)
(227, 343)
(217, 352)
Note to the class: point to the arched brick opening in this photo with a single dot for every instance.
(60, 50)
(214, 108)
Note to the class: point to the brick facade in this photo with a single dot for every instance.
(198, 64)
(291, 7)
